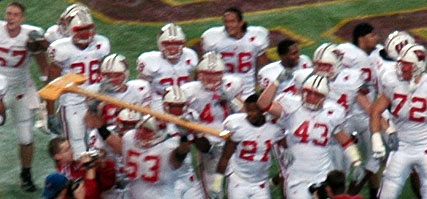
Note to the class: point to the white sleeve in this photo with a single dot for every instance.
(3, 86)
(145, 67)
(231, 123)
(263, 41)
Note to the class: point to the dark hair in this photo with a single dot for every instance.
(336, 181)
(283, 46)
(361, 30)
(252, 99)
(53, 145)
(17, 4)
(239, 15)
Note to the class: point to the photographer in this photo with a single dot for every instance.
(332, 188)
(98, 174)
(57, 186)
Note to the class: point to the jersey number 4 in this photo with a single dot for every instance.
(422, 102)
(152, 162)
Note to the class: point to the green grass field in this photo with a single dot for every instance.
(131, 39)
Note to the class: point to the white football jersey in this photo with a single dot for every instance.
(149, 169)
(252, 157)
(354, 57)
(343, 89)
(208, 104)
(75, 60)
(269, 73)
(309, 132)
(53, 33)
(186, 171)
(239, 55)
(138, 92)
(409, 108)
(14, 57)
(3, 86)
(163, 74)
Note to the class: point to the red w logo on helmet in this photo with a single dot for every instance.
(420, 55)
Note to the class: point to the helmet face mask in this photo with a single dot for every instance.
(411, 62)
(82, 28)
(211, 70)
(171, 41)
(66, 17)
(211, 80)
(175, 101)
(127, 120)
(327, 59)
(115, 72)
(150, 131)
(314, 92)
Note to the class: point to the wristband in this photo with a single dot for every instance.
(276, 83)
(180, 157)
(104, 132)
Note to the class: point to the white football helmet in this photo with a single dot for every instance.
(315, 89)
(66, 16)
(396, 41)
(150, 131)
(127, 119)
(170, 41)
(175, 100)
(411, 61)
(82, 28)
(114, 71)
(327, 60)
(211, 70)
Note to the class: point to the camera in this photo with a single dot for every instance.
(319, 190)
(72, 186)
(93, 154)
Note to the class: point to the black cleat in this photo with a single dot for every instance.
(26, 183)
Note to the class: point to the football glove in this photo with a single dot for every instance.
(54, 125)
(36, 42)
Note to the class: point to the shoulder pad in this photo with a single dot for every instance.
(146, 63)
(211, 36)
(232, 85)
(289, 102)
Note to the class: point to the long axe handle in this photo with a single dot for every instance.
(163, 116)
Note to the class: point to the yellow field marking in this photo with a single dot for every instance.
(110, 20)
(330, 33)
(177, 3)
(420, 32)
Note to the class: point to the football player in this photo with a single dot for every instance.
(290, 61)
(115, 74)
(61, 28)
(22, 99)
(171, 65)
(175, 102)
(126, 121)
(242, 48)
(251, 141)
(81, 54)
(151, 158)
(312, 120)
(214, 96)
(358, 55)
(405, 91)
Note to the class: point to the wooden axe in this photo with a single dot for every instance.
(70, 82)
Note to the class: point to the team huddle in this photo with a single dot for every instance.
(350, 107)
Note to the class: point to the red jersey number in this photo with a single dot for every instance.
(242, 65)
